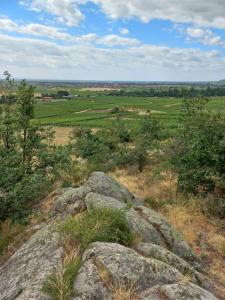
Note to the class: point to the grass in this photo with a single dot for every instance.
(98, 225)
(95, 225)
(93, 111)
(59, 286)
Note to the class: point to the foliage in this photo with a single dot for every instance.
(105, 149)
(28, 162)
(199, 149)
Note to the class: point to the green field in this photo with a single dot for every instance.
(94, 111)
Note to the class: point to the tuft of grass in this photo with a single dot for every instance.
(59, 286)
(98, 225)
(95, 225)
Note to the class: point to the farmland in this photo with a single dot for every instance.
(99, 110)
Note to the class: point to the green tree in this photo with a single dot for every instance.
(28, 163)
(199, 149)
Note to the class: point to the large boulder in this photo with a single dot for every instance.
(71, 200)
(109, 267)
(22, 276)
(103, 184)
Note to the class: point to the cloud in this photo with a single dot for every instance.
(66, 11)
(201, 12)
(204, 36)
(87, 61)
(116, 40)
(124, 31)
(33, 29)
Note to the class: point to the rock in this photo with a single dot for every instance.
(155, 270)
(162, 254)
(108, 267)
(138, 225)
(171, 237)
(22, 276)
(180, 291)
(101, 201)
(69, 203)
(105, 185)
(148, 225)
(124, 266)
(88, 285)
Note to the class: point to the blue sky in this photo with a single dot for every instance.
(113, 39)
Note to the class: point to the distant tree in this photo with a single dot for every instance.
(62, 94)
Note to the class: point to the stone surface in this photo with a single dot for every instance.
(105, 185)
(108, 266)
(171, 237)
(180, 291)
(21, 277)
(69, 203)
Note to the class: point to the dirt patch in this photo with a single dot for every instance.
(169, 105)
(62, 135)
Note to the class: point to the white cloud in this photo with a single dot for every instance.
(124, 31)
(33, 29)
(7, 25)
(204, 36)
(116, 40)
(86, 61)
(66, 11)
(201, 12)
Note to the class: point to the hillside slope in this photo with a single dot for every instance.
(135, 255)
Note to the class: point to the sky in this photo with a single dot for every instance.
(132, 40)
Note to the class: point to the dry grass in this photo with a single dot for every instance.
(205, 235)
(145, 186)
(120, 290)
(62, 135)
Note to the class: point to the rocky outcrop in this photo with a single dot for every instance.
(22, 276)
(159, 266)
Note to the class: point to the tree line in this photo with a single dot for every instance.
(191, 92)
